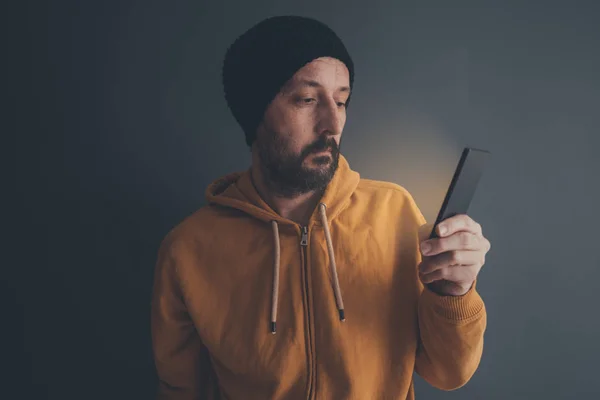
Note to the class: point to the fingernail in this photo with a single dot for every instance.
(425, 247)
(442, 229)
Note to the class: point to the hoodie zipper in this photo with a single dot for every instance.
(304, 240)
(304, 247)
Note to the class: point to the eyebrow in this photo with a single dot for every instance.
(311, 83)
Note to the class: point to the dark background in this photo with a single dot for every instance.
(119, 122)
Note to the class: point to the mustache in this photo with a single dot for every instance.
(322, 145)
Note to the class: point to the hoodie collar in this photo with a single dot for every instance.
(237, 191)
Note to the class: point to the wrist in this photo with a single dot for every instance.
(448, 288)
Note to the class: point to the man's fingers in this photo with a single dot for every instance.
(456, 274)
(458, 241)
(448, 288)
(448, 259)
(458, 223)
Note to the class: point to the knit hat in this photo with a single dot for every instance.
(265, 57)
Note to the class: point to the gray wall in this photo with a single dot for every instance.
(124, 124)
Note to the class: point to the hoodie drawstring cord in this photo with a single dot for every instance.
(336, 284)
(276, 267)
(275, 276)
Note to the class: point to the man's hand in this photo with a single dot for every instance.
(452, 262)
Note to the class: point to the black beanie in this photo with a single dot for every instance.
(266, 56)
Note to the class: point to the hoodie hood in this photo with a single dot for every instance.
(237, 191)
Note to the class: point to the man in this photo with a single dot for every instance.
(299, 279)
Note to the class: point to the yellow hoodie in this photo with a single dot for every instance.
(226, 273)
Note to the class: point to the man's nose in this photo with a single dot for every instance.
(332, 119)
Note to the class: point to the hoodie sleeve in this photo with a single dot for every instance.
(451, 334)
(182, 362)
(451, 338)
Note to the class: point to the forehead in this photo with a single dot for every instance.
(327, 71)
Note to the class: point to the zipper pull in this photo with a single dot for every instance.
(304, 241)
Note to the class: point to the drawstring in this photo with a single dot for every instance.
(276, 266)
(332, 266)
(275, 277)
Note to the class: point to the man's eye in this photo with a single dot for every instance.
(309, 100)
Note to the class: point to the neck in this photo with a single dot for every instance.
(298, 208)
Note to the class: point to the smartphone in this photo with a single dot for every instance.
(463, 185)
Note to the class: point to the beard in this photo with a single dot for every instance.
(285, 172)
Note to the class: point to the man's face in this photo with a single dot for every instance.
(298, 141)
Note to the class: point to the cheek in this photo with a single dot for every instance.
(282, 140)
(288, 124)
(297, 130)
(294, 126)
(296, 122)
